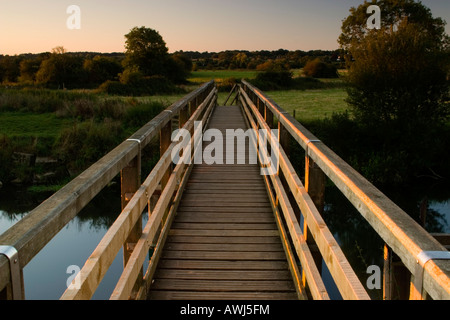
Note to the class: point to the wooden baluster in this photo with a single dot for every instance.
(268, 117)
(165, 141)
(130, 182)
(396, 277)
(315, 181)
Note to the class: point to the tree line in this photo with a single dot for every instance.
(60, 69)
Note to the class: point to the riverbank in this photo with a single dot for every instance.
(48, 137)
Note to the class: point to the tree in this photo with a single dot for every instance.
(101, 69)
(397, 74)
(178, 67)
(146, 51)
(29, 68)
(61, 69)
(10, 68)
(148, 54)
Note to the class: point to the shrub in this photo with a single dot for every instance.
(6, 165)
(87, 142)
(114, 88)
(318, 69)
(138, 115)
(135, 85)
(273, 80)
(227, 84)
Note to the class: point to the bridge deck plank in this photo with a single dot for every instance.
(224, 242)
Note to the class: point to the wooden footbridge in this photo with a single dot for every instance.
(226, 231)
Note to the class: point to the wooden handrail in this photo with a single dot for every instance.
(400, 232)
(103, 256)
(156, 222)
(345, 278)
(32, 233)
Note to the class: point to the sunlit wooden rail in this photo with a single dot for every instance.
(403, 236)
(226, 231)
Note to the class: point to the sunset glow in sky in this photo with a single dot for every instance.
(191, 25)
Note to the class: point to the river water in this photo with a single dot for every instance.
(46, 275)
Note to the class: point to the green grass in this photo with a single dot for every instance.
(218, 75)
(310, 105)
(26, 124)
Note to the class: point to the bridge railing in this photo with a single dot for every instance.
(288, 197)
(424, 257)
(168, 183)
(30, 235)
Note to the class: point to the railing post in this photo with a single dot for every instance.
(130, 182)
(165, 141)
(315, 181)
(285, 139)
(184, 116)
(268, 116)
(396, 277)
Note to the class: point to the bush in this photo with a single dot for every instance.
(318, 69)
(386, 156)
(283, 80)
(273, 80)
(87, 142)
(138, 115)
(227, 84)
(6, 165)
(134, 85)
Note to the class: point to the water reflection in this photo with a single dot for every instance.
(46, 275)
(361, 245)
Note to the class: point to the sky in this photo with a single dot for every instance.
(34, 26)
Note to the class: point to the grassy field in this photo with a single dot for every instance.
(24, 124)
(219, 75)
(308, 104)
(311, 104)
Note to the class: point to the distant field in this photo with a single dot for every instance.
(311, 104)
(308, 104)
(207, 75)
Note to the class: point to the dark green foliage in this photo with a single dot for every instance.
(319, 69)
(273, 80)
(146, 51)
(398, 91)
(283, 80)
(178, 68)
(114, 88)
(9, 69)
(138, 115)
(148, 54)
(98, 125)
(101, 69)
(38, 100)
(399, 73)
(227, 84)
(140, 87)
(87, 142)
(6, 165)
(387, 155)
(61, 71)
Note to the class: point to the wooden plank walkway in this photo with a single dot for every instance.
(224, 242)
